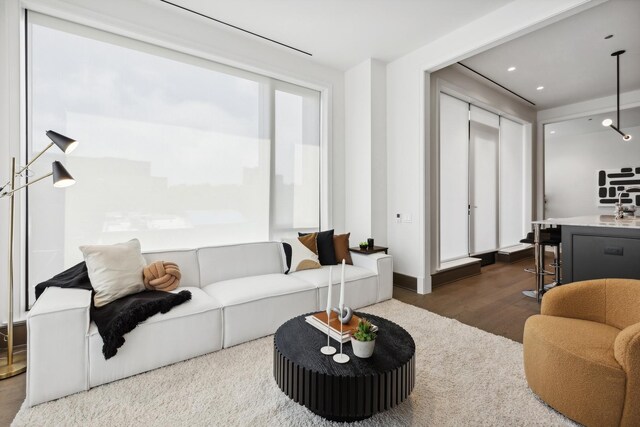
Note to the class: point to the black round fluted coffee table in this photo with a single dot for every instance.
(344, 392)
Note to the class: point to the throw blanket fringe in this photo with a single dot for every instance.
(128, 314)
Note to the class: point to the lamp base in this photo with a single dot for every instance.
(18, 366)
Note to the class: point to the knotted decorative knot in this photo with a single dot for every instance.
(161, 276)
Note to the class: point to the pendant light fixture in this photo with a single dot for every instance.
(609, 122)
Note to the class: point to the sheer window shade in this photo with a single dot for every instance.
(175, 150)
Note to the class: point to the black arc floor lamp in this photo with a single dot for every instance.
(11, 366)
(608, 122)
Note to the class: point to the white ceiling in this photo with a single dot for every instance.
(570, 58)
(343, 33)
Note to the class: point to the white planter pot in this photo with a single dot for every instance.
(363, 349)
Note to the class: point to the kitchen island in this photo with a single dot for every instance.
(593, 247)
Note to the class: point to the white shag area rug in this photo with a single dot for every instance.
(464, 377)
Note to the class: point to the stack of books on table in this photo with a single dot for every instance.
(319, 321)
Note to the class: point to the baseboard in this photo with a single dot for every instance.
(512, 257)
(19, 334)
(443, 277)
(486, 258)
(406, 282)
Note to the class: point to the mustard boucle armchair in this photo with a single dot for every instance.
(582, 353)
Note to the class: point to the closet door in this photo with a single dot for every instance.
(484, 136)
(454, 178)
(513, 189)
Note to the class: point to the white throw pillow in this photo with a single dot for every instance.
(114, 270)
(302, 258)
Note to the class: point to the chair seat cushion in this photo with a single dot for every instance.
(570, 364)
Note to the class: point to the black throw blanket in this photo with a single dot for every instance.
(119, 317)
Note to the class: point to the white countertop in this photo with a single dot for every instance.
(594, 221)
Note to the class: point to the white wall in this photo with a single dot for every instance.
(409, 184)
(158, 23)
(572, 111)
(365, 152)
(571, 165)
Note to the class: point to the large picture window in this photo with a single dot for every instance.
(177, 151)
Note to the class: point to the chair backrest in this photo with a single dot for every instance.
(622, 302)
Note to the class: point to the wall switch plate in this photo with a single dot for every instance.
(398, 217)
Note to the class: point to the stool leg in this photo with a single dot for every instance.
(538, 253)
(556, 269)
(539, 250)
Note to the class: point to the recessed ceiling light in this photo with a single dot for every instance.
(608, 37)
(552, 132)
(540, 88)
(607, 122)
(511, 69)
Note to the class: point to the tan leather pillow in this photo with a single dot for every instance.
(309, 240)
(341, 247)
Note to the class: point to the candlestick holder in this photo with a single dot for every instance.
(328, 349)
(341, 357)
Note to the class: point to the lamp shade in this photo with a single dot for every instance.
(61, 178)
(66, 144)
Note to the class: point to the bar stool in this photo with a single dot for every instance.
(548, 237)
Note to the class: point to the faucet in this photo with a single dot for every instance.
(619, 209)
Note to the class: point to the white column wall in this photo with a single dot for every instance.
(365, 152)
(357, 102)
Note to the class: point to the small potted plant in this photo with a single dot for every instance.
(364, 246)
(363, 339)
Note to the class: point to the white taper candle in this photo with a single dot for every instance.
(329, 292)
(342, 287)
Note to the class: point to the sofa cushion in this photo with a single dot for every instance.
(361, 285)
(188, 330)
(221, 263)
(256, 306)
(247, 289)
(570, 364)
(320, 277)
(187, 261)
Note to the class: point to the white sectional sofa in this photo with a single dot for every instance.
(239, 293)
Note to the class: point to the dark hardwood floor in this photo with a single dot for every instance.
(491, 301)
(12, 393)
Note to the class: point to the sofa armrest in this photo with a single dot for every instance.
(580, 300)
(626, 350)
(57, 349)
(382, 265)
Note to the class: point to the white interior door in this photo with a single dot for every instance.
(484, 136)
(454, 178)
